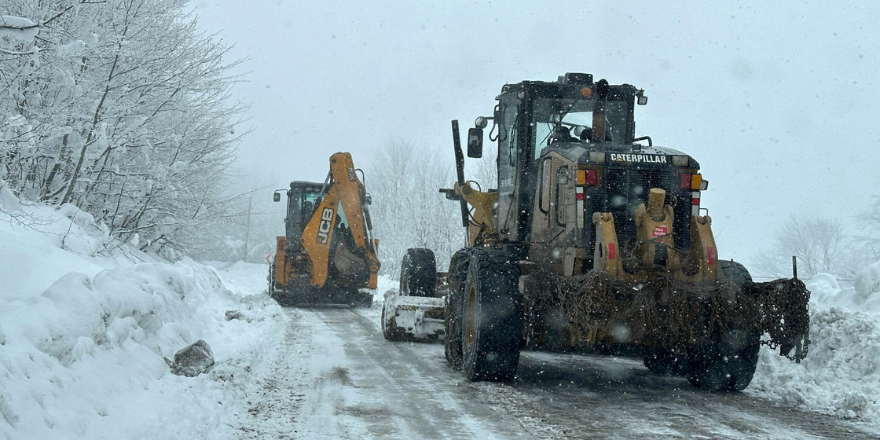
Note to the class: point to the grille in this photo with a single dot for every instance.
(627, 188)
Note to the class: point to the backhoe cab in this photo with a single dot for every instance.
(594, 241)
(327, 255)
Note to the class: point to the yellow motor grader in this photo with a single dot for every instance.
(327, 255)
(594, 241)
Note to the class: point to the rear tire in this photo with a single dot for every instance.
(418, 273)
(735, 272)
(730, 364)
(665, 363)
(458, 271)
(273, 288)
(271, 279)
(361, 300)
(492, 318)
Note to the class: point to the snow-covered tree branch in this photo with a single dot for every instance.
(121, 107)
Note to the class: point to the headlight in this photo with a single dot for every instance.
(597, 156)
(679, 161)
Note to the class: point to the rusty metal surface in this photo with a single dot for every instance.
(668, 312)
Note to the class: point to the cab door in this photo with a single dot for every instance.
(510, 135)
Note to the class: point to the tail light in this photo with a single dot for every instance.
(588, 177)
(592, 177)
(691, 181)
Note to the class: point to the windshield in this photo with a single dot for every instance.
(556, 118)
(302, 205)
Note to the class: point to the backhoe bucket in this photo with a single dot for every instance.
(412, 318)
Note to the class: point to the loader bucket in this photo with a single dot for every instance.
(412, 318)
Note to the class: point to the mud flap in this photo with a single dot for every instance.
(784, 311)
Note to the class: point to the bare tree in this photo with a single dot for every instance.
(819, 244)
(408, 210)
(869, 223)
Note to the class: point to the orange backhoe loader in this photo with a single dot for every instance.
(327, 255)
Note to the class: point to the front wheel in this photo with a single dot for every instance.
(418, 273)
(458, 271)
(492, 322)
(389, 331)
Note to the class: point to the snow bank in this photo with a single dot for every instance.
(74, 357)
(39, 244)
(83, 334)
(867, 284)
(841, 374)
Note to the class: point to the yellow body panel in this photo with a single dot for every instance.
(483, 202)
(345, 191)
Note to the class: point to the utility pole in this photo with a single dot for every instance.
(247, 229)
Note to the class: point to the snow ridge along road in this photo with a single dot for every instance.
(334, 376)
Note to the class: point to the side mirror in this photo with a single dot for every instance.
(641, 99)
(475, 143)
(368, 199)
(276, 197)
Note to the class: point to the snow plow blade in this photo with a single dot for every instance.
(412, 318)
(784, 310)
(676, 314)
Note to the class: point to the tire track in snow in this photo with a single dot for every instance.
(352, 383)
(422, 396)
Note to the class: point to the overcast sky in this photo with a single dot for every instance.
(778, 102)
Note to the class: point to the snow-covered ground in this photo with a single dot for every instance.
(841, 374)
(86, 321)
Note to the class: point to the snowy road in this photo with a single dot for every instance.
(332, 375)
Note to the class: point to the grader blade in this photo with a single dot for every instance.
(412, 318)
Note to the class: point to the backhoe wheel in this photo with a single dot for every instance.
(418, 273)
(492, 321)
(361, 300)
(271, 279)
(730, 364)
(458, 271)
